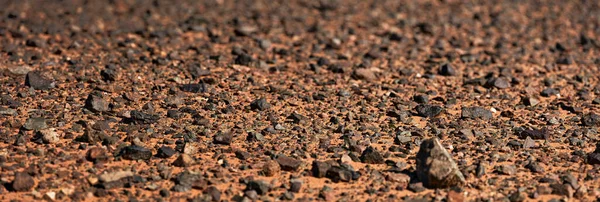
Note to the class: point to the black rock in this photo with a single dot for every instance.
(416, 187)
(109, 74)
(213, 192)
(590, 119)
(319, 168)
(337, 174)
(476, 112)
(549, 92)
(243, 59)
(261, 187)
(38, 82)
(260, 104)
(372, 156)
(194, 88)
(223, 138)
(165, 152)
(96, 103)
(421, 99)
(428, 110)
(138, 117)
(447, 70)
(594, 157)
(135, 152)
(534, 134)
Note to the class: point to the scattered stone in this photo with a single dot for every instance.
(135, 152)
(372, 156)
(22, 182)
(549, 92)
(96, 103)
(364, 74)
(184, 160)
(261, 187)
(260, 104)
(562, 190)
(498, 82)
(271, 168)
(435, 166)
(20, 69)
(288, 163)
(506, 169)
(48, 136)
(96, 154)
(38, 82)
(115, 176)
(296, 185)
(223, 138)
(590, 119)
(319, 168)
(534, 134)
(447, 70)
(194, 88)
(339, 174)
(428, 111)
(36, 124)
(165, 152)
(529, 143)
(476, 112)
(530, 101)
(416, 187)
(138, 117)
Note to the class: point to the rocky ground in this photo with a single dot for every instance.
(303, 100)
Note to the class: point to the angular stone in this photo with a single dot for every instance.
(500, 83)
(223, 138)
(194, 88)
(535, 134)
(165, 152)
(38, 82)
(435, 166)
(271, 168)
(48, 136)
(260, 104)
(36, 123)
(506, 169)
(372, 156)
(261, 187)
(184, 160)
(447, 70)
(288, 163)
(138, 117)
(96, 103)
(428, 111)
(337, 174)
(319, 168)
(135, 152)
(364, 74)
(590, 119)
(115, 176)
(476, 112)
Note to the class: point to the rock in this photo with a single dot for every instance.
(498, 82)
(416, 187)
(223, 138)
(213, 192)
(22, 182)
(36, 81)
(296, 185)
(364, 74)
(110, 73)
(428, 111)
(372, 156)
(337, 174)
(245, 30)
(242, 155)
(529, 143)
(36, 124)
(96, 103)
(562, 190)
(530, 101)
(319, 168)
(421, 99)
(435, 166)
(8, 111)
(260, 104)
(165, 152)
(184, 160)
(48, 136)
(138, 117)
(261, 187)
(135, 152)
(20, 69)
(549, 92)
(244, 59)
(96, 154)
(271, 168)
(447, 70)
(594, 157)
(476, 112)
(506, 169)
(288, 163)
(590, 119)
(534, 134)
(115, 176)
(399, 179)
(194, 88)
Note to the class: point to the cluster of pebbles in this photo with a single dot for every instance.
(303, 100)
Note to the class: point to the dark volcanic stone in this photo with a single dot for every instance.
(261, 187)
(288, 163)
(534, 134)
(549, 92)
(319, 168)
(243, 59)
(165, 152)
(135, 152)
(22, 182)
(435, 166)
(499, 82)
(194, 88)
(421, 99)
(590, 119)
(337, 174)
(139, 117)
(96, 103)
(372, 156)
(260, 104)
(476, 112)
(447, 70)
(38, 82)
(428, 110)
(223, 138)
